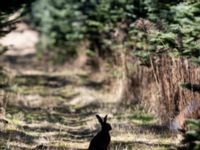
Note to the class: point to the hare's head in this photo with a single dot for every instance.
(104, 125)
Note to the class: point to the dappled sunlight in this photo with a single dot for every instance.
(63, 117)
(64, 62)
(70, 127)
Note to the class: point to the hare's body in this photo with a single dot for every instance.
(102, 139)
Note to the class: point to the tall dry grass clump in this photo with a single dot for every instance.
(158, 87)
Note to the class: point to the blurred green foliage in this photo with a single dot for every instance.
(63, 24)
(60, 24)
(190, 86)
(175, 33)
(151, 26)
(191, 137)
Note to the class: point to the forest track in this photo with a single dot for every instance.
(55, 109)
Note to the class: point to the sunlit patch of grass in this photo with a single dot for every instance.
(71, 145)
(63, 92)
(40, 90)
(142, 118)
(15, 119)
(141, 141)
(17, 115)
(139, 117)
(138, 129)
(11, 145)
(66, 92)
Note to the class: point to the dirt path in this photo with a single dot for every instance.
(54, 108)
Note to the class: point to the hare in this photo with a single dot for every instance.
(102, 139)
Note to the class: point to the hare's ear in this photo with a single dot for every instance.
(105, 118)
(99, 119)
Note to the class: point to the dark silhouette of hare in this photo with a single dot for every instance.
(102, 139)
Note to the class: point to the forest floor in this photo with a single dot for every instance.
(54, 108)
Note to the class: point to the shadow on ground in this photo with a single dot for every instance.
(43, 80)
(17, 136)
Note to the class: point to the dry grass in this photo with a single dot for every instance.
(64, 118)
